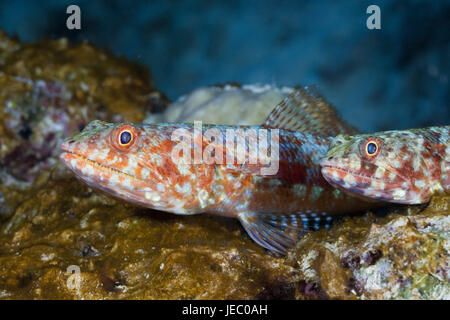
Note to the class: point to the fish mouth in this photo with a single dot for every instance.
(362, 189)
(99, 180)
(329, 164)
(356, 190)
(326, 164)
(68, 156)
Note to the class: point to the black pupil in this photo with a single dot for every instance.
(125, 137)
(371, 148)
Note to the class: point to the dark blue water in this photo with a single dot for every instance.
(393, 78)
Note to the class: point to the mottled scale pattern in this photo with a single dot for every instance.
(403, 166)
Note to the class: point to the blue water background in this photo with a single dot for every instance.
(393, 78)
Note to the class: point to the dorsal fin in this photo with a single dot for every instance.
(306, 110)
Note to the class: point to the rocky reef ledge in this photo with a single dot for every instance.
(50, 223)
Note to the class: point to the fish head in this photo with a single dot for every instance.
(386, 167)
(117, 159)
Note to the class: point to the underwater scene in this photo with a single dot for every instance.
(224, 150)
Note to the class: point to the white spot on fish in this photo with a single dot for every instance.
(152, 196)
(398, 194)
(145, 173)
(378, 185)
(355, 165)
(114, 180)
(103, 154)
(156, 158)
(392, 175)
(379, 173)
(396, 163)
(416, 163)
(203, 198)
(350, 179)
(419, 184)
(335, 175)
(183, 168)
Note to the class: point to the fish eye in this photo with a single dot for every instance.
(371, 148)
(125, 137)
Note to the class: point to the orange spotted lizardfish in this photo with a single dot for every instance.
(135, 162)
(405, 167)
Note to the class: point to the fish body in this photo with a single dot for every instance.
(144, 164)
(403, 166)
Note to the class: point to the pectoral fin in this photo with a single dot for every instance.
(279, 232)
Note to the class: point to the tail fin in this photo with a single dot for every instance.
(279, 232)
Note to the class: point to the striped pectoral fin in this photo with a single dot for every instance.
(279, 232)
(315, 222)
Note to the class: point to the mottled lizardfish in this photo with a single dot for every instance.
(405, 166)
(137, 163)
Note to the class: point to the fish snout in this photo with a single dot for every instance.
(66, 158)
(331, 161)
(327, 162)
(67, 145)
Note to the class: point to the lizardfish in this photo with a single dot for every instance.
(136, 162)
(405, 166)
